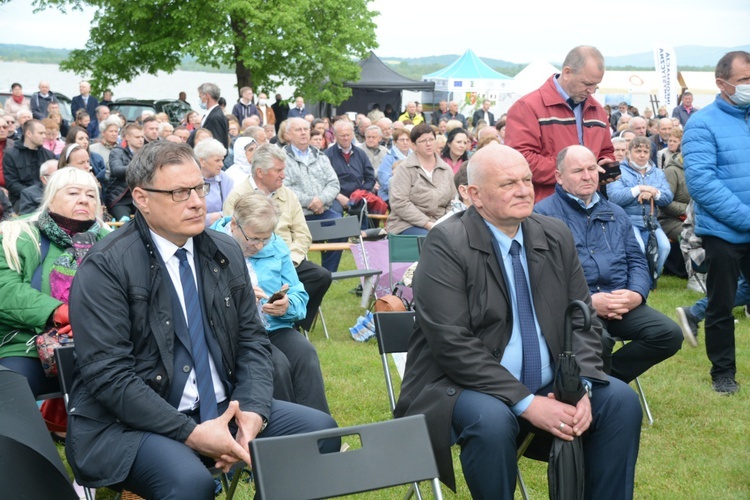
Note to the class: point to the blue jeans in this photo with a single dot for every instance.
(418, 231)
(741, 298)
(329, 260)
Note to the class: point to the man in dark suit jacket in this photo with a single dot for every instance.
(468, 352)
(484, 114)
(215, 121)
(161, 373)
(299, 110)
(85, 101)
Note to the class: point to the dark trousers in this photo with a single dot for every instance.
(167, 469)
(31, 368)
(487, 430)
(725, 261)
(316, 281)
(119, 211)
(654, 337)
(329, 260)
(296, 370)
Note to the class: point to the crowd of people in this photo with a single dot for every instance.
(188, 320)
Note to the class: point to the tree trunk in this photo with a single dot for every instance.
(243, 73)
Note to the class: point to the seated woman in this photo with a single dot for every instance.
(109, 130)
(400, 150)
(421, 189)
(297, 375)
(192, 120)
(244, 150)
(80, 136)
(210, 154)
(40, 256)
(639, 183)
(455, 152)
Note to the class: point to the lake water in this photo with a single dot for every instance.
(160, 86)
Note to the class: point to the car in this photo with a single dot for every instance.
(132, 109)
(61, 98)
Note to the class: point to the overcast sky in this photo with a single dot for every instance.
(518, 31)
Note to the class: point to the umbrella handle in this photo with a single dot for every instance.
(576, 304)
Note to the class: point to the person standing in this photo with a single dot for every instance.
(559, 114)
(716, 150)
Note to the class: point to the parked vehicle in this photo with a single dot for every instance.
(133, 109)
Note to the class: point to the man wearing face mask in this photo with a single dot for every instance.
(716, 149)
(214, 120)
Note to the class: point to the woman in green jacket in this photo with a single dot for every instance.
(38, 261)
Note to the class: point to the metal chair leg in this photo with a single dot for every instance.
(642, 397)
(323, 320)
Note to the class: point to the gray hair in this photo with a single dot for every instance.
(113, 120)
(44, 168)
(578, 56)
(208, 148)
(257, 211)
(154, 156)
(724, 66)
(290, 122)
(101, 107)
(342, 123)
(618, 140)
(253, 132)
(374, 128)
(211, 89)
(265, 156)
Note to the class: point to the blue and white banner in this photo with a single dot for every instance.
(665, 61)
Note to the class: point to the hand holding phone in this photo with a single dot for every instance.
(277, 295)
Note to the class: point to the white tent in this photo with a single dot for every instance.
(532, 77)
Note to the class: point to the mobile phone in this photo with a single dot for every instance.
(277, 295)
(611, 171)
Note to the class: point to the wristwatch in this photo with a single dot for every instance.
(589, 392)
(263, 427)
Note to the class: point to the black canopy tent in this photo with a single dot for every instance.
(379, 84)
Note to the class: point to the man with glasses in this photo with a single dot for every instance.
(175, 366)
(559, 114)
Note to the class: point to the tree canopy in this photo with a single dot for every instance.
(313, 45)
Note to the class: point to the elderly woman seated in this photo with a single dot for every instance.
(210, 154)
(40, 255)
(281, 299)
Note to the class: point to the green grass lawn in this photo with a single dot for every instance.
(698, 447)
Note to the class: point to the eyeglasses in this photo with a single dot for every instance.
(254, 241)
(183, 194)
(426, 141)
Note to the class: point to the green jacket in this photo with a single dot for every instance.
(24, 311)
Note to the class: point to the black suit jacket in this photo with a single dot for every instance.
(465, 320)
(217, 123)
(479, 115)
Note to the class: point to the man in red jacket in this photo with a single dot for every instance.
(559, 114)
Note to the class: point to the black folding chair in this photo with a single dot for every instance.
(66, 358)
(392, 453)
(323, 231)
(393, 331)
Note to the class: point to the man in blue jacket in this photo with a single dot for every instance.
(613, 263)
(716, 148)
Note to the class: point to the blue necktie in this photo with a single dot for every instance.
(531, 372)
(199, 348)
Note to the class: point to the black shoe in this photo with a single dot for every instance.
(357, 291)
(689, 325)
(726, 386)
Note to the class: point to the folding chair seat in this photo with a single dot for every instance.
(402, 248)
(392, 453)
(65, 357)
(345, 227)
(392, 331)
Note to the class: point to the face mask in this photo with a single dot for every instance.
(203, 105)
(741, 95)
(262, 102)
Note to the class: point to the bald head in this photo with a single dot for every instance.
(500, 187)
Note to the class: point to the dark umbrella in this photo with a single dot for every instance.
(652, 246)
(565, 471)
